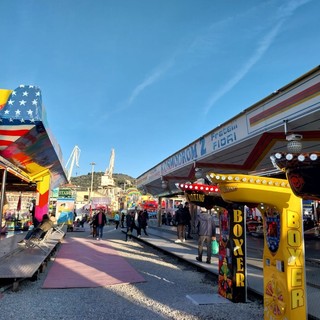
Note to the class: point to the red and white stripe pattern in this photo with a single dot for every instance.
(11, 133)
(19, 114)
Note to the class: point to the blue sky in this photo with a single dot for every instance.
(148, 77)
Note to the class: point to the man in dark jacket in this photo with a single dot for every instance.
(129, 224)
(122, 219)
(100, 220)
(32, 210)
(188, 220)
(207, 233)
(143, 221)
(181, 220)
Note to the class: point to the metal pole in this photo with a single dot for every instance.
(92, 168)
(159, 211)
(3, 189)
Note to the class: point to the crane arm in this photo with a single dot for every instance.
(74, 160)
(109, 170)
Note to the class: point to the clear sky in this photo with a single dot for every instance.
(149, 77)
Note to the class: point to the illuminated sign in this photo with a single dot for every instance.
(232, 282)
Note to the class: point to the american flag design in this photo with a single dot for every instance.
(19, 114)
(25, 140)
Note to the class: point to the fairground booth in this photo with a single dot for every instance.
(266, 160)
(30, 159)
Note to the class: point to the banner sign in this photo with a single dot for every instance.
(65, 210)
(65, 193)
(232, 282)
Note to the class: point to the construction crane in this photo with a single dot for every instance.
(107, 179)
(73, 160)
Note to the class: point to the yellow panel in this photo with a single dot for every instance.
(4, 96)
(44, 185)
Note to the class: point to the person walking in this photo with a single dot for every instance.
(32, 210)
(180, 218)
(207, 233)
(136, 224)
(100, 220)
(93, 225)
(188, 220)
(117, 219)
(122, 219)
(129, 223)
(164, 218)
(143, 221)
(169, 218)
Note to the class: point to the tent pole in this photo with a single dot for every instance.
(3, 189)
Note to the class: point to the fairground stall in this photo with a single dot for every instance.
(30, 159)
(239, 151)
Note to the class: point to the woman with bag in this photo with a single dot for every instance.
(207, 233)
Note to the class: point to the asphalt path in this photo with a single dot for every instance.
(171, 290)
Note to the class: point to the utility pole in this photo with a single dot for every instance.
(92, 169)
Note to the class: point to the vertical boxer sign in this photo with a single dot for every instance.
(232, 255)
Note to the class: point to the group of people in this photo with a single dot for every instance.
(183, 221)
(136, 220)
(204, 224)
(99, 220)
(167, 218)
(80, 223)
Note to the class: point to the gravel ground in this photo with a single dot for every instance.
(162, 296)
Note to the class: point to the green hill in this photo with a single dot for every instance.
(84, 182)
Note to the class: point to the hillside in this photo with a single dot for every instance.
(84, 181)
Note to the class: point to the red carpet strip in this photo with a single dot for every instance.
(88, 263)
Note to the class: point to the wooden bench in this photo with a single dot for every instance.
(19, 262)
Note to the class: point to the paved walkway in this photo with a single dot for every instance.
(163, 238)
